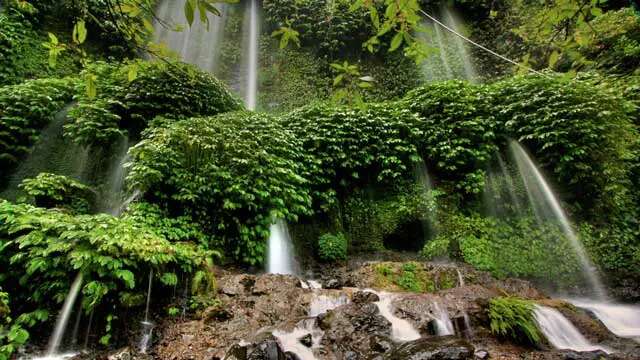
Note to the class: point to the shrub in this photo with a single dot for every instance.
(332, 248)
(513, 318)
(51, 191)
(24, 110)
(232, 174)
(114, 255)
(12, 335)
(174, 89)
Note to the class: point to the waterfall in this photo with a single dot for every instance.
(147, 326)
(444, 326)
(401, 329)
(430, 218)
(196, 44)
(451, 20)
(547, 207)
(622, 320)
(290, 341)
(63, 320)
(112, 196)
(320, 304)
(280, 254)
(560, 332)
(454, 60)
(52, 153)
(252, 22)
(500, 193)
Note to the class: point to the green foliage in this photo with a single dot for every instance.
(328, 27)
(12, 334)
(57, 191)
(48, 247)
(232, 174)
(408, 279)
(458, 108)
(332, 247)
(22, 55)
(513, 318)
(436, 248)
(24, 110)
(174, 89)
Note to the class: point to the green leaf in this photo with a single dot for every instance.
(396, 41)
(79, 32)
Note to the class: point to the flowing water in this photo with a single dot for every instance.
(52, 153)
(252, 22)
(560, 332)
(147, 326)
(290, 341)
(280, 254)
(112, 197)
(444, 326)
(454, 60)
(320, 304)
(621, 319)
(196, 44)
(547, 208)
(401, 329)
(62, 321)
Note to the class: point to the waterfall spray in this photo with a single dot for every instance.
(63, 317)
(251, 91)
(547, 207)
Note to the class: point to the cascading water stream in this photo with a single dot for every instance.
(251, 89)
(280, 254)
(442, 52)
(62, 321)
(547, 207)
(451, 20)
(621, 319)
(197, 44)
(401, 329)
(444, 326)
(560, 332)
(147, 326)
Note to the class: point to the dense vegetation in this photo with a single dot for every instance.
(352, 149)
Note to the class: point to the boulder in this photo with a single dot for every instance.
(433, 348)
(267, 348)
(363, 297)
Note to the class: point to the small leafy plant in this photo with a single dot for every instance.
(332, 247)
(513, 318)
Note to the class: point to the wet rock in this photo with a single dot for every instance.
(481, 354)
(271, 283)
(122, 354)
(332, 284)
(217, 313)
(351, 328)
(236, 285)
(266, 349)
(381, 344)
(291, 356)
(575, 355)
(363, 297)
(438, 348)
(306, 340)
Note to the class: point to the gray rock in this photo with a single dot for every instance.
(433, 348)
(362, 297)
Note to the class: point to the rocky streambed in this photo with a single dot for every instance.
(364, 314)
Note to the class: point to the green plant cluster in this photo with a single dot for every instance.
(126, 107)
(413, 277)
(233, 174)
(328, 26)
(24, 110)
(57, 191)
(513, 318)
(22, 55)
(332, 247)
(12, 334)
(42, 251)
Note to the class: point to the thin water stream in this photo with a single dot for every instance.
(560, 331)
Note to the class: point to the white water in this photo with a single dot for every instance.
(547, 207)
(323, 303)
(454, 60)
(444, 326)
(62, 321)
(622, 320)
(560, 332)
(290, 341)
(196, 44)
(112, 196)
(452, 21)
(280, 254)
(251, 89)
(147, 326)
(401, 329)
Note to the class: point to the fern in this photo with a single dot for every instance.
(513, 317)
